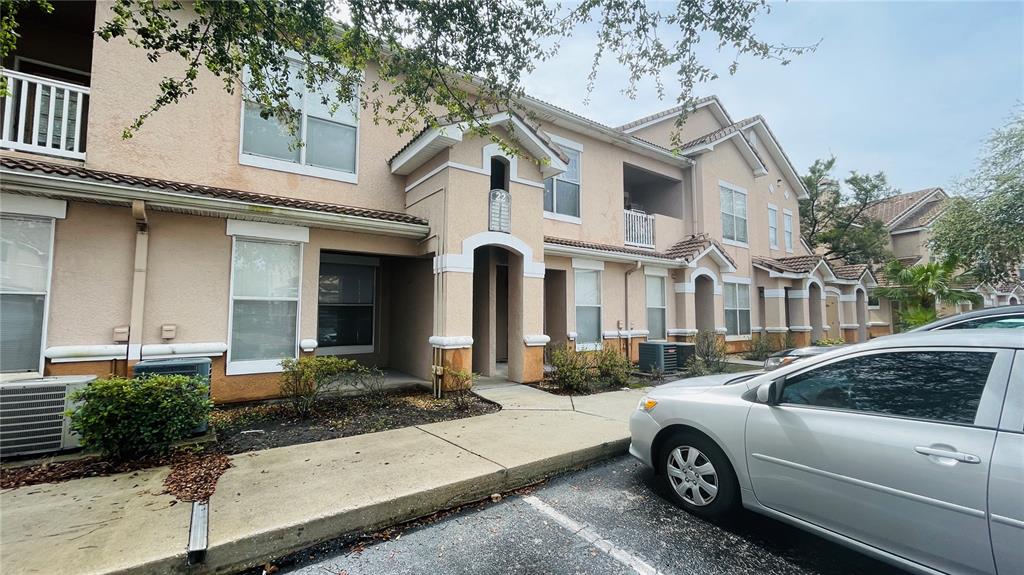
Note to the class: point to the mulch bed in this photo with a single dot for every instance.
(636, 381)
(194, 472)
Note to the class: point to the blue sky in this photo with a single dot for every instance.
(909, 88)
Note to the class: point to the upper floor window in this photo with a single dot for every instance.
(562, 192)
(734, 213)
(787, 225)
(329, 139)
(773, 226)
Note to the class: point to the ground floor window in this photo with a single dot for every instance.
(737, 309)
(265, 283)
(588, 309)
(656, 307)
(347, 300)
(25, 250)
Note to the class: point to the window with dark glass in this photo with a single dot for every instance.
(933, 385)
(346, 307)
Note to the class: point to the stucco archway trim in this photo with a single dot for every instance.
(463, 262)
(690, 286)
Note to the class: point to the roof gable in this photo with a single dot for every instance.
(711, 102)
(892, 209)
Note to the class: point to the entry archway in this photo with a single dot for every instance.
(814, 301)
(497, 309)
(704, 302)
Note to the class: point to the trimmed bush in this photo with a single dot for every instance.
(612, 367)
(574, 370)
(127, 418)
(307, 378)
(710, 349)
(828, 342)
(760, 349)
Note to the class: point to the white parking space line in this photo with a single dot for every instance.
(589, 535)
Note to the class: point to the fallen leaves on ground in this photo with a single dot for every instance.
(13, 477)
(193, 477)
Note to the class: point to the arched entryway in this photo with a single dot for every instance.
(1013, 300)
(497, 312)
(814, 301)
(704, 302)
(862, 315)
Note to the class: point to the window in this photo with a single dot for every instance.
(347, 295)
(329, 139)
(734, 213)
(992, 322)
(873, 302)
(264, 304)
(787, 223)
(737, 309)
(25, 252)
(588, 309)
(562, 192)
(656, 307)
(773, 226)
(933, 385)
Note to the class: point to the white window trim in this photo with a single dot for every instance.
(246, 367)
(773, 239)
(292, 167)
(788, 238)
(663, 307)
(746, 219)
(589, 346)
(578, 148)
(727, 309)
(354, 349)
(33, 210)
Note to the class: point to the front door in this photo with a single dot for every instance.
(888, 448)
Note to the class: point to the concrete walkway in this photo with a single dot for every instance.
(278, 500)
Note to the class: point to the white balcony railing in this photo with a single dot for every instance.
(639, 229)
(44, 116)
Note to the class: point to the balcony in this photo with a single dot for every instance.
(44, 116)
(639, 229)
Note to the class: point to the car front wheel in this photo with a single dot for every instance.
(698, 476)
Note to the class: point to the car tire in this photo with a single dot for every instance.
(697, 475)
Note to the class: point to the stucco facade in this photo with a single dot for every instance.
(434, 250)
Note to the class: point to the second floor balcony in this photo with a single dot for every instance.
(43, 116)
(639, 229)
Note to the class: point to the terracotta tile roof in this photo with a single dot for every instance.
(792, 264)
(850, 271)
(922, 215)
(890, 209)
(87, 174)
(606, 248)
(695, 245)
(1008, 286)
(673, 111)
(879, 270)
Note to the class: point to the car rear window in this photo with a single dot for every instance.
(993, 322)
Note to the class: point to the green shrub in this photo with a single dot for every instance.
(711, 351)
(695, 367)
(828, 342)
(127, 418)
(306, 379)
(612, 367)
(370, 381)
(573, 370)
(760, 348)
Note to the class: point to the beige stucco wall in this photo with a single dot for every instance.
(93, 257)
(911, 244)
(698, 123)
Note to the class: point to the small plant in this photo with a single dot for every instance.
(612, 367)
(574, 371)
(695, 367)
(829, 342)
(709, 348)
(788, 342)
(370, 380)
(128, 418)
(306, 379)
(657, 375)
(760, 349)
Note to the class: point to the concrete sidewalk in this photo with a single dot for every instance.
(279, 500)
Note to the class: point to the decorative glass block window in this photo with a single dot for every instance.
(588, 309)
(656, 307)
(787, 219)
(347, 300)
(329, 137)
(734, 213)
(499, 211)
(737, 309)
(26, 246)
(562, 192)
(264, 304)
(773, 227)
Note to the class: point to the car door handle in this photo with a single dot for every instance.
(957, 455)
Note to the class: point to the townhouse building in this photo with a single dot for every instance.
(207, 234)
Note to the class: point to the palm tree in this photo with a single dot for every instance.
(918, 288)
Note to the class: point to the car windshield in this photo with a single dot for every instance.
(993, 322)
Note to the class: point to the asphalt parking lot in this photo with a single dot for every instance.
(605, 519)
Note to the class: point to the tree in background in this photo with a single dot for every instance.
(984, 227)
(458, 59)
(917, 290)
(836, 222)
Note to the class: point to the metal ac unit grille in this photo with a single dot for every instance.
(32, 418)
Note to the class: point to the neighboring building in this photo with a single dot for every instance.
(207, 235)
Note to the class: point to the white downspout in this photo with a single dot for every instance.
(629, 328)
(138, 302)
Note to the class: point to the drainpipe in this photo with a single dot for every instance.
(629, 328)
(138, 281)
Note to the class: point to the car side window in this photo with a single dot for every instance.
(933, 385)
(1003, 322)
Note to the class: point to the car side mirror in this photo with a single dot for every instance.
(768, 393)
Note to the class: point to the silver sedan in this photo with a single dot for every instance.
(909, 448)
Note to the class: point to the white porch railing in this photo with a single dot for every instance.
(639, 229)
(43, 116)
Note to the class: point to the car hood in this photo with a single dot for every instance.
(695, 383)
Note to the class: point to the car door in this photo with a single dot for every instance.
(888, 447)
(1006, 479)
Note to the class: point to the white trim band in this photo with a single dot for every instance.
(107, 352)
(536, 340)
(585, 264)
(682, 331)
(776, 329)
(267, 231)
(800, 328)
(33, 206)
(798, 294)
(451, 341)
(849, 326)
(625, 333)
